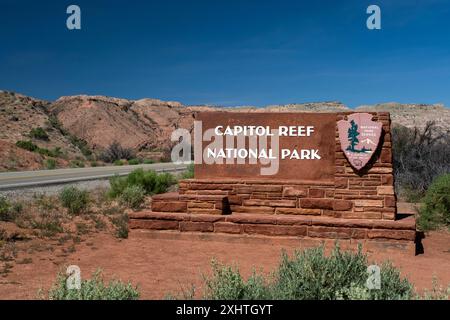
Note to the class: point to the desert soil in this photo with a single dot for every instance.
(162, 263)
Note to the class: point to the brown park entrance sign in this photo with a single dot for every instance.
(289, 146)
(308, 175)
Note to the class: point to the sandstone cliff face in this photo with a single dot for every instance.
(18, 115)
(413, 115)
(143, 125)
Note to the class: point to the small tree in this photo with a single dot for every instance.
(353, 136)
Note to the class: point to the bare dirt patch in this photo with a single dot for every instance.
(162, 263)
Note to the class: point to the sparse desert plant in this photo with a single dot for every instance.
(435, 211)
(5, 208)
(77, 164)
(9, 211)
(50, 164)
(150, 181)
(81, 144)
(132, 196)
(94, 164)
(75, 200)
(27, 145)
(93, 289)
(48, 225)
(119, 163)
(121, 223)
(116, 152)
(38, 133)
(134, 161)
(309, 275)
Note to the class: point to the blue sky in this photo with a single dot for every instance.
(229, 52)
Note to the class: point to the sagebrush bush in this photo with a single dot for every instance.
(132, 196)
(93, 289)
(77, 164)
(38, 133)
(50, 164)
(75, 200)
(435, 211)
(5, 208)
(150, 181)
(419, 155)
(134, 161)
(309, 275)
(121, 224)
(27, 145)
(81, 144)
(119, 163)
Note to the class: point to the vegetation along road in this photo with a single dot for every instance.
(12, 180)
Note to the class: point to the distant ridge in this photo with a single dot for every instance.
(144, 125)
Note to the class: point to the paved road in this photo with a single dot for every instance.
(12, 180)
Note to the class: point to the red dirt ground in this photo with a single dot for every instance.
(162, 263)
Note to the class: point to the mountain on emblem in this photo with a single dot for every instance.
(359, 137)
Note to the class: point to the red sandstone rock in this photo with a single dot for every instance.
(300, 211)
(275, 230)
(316, 203)
(251, 218)
(153, 224)
(316, 193)
(295, 191)
(272, 203)
(342, 205)
(336, 233)
(227, 227)
(392, 234)
(169, 206)
(196, 226)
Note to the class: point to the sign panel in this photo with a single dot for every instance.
(297, 146)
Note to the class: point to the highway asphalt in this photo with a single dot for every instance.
(22, 179)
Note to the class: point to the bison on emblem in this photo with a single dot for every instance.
(359, 137)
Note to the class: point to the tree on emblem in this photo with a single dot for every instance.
(353, 136)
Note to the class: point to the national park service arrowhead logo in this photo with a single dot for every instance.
(359, 137)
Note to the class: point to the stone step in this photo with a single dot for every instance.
(278, 225)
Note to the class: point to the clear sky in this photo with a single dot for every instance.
(232, 52)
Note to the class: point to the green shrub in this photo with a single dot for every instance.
(55, 123)
(119, 163)
(134, 161)
(117, 185)
(81, 144)
(93, 289)
(75, 200)
(9, 211)
(189, 174)
(27, 145)
(309, 275)
(121, 224)
(132, 196)
(5, 206)
(150, 181)
(148, 161)
(77, 164)
(436, 205)
(50, 164)
(38, 133)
